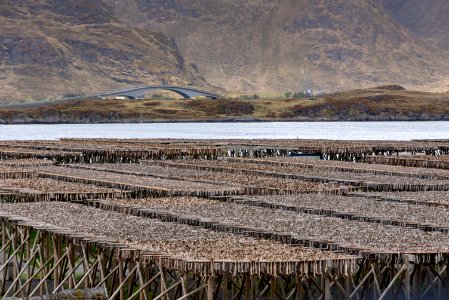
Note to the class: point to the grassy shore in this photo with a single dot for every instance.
(386, 103)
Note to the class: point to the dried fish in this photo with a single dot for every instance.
(169, 239)
(348, 234)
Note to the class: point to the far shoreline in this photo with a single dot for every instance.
(366, 105)
(446, 119)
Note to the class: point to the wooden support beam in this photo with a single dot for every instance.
(235, 288)
(163, 283)
(253, 281)
(299, 289)
(47, 249)
(57, 272)
(377, 289)
(144, 286)
(86, 274)
(31, 271)
(225, 287)
(143, 295)
(121, 276)
(44, 279)
(71, 261)
(392, 282)
(266, 289)
(19, 258)
(193, 292)
(164, 294)
(247, 287)
(16, 250)
(447, 279)
(407, 280)
(119, 289)
(327, 288)
(361, 284)
(103, 281)
(210, 287)
(88, 281)
(273, 288)
(32, 256)
(103, 273)
(4, 253)
(68, 277)
(29, 253)
(417, 281)
(344, 292)
(38, 272)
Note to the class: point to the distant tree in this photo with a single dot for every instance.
(156, 96)
(72, 95)
(288, 94)
(248, 97)
(299, 95)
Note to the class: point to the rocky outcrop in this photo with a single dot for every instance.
(51, 48)
(276, 46)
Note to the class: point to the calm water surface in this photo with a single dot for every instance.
(275, 130)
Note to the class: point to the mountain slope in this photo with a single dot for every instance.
(429, 19)
(49, 48)
(264, 46)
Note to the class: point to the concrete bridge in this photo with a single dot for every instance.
(139, 93)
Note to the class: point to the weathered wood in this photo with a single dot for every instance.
(86, 294)
(211, 287)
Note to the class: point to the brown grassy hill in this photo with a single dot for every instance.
(265, 46)
(429, 19)
(49, 48)
(384, 103)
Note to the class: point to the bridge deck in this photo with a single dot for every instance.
(139, 93)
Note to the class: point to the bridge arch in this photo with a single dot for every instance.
(184, 95)
(139, 93)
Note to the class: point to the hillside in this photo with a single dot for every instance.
(266, 46)
(428, 19)
(385, 103)
(55, 48)
(50, 48)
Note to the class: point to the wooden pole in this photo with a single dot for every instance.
(121, 275)
(210, 287)
(28, 251)
(447, 280)
(56, 273)
(3, 254)
(407, 279)
(253, 281)
(164, 283)
(42, 260)
(72, 260)
(273, 288)
(327, 288)
(15, 242)
(103, 273)
(184, 283)
(247, 287)
(417, 281)
(298, 288)
(225, 287)
(142, 280)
